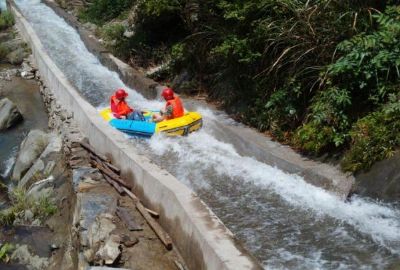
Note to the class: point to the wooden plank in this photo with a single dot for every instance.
(114, 184)
(91, 150)
(106, 164)
(154, 214)
(179, 265)
(113, 168)
(110, 174)
(162, 235)
(75, 162)
(128, 219)
(84, 187)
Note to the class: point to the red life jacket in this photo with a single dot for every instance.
(119, 109)
(177, 108)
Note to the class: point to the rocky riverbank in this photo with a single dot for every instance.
(61, 213)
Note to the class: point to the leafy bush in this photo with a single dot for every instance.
(328, 124)
(113, 32)
(5, 250)
(3, 52)
(304, 70)
(370, 62)
(6, 20)
(374, 137)
(358, 83)
(41, 208)
(100, 11)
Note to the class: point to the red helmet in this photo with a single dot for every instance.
(121, 94)
(168, 94)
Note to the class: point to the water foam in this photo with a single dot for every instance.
(204, 152)
(200, 159)
(8, 164)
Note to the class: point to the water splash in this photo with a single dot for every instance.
(286, 222)
(8, 164)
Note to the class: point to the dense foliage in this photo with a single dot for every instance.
(101, 11)
(6, 20)
(321, 75)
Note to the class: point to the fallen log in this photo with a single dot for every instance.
(102, 163)
(154, 214)
(91, 150)
(110, 174)
(179, 265)
(106, 164)
(114, 184)
(162, 235)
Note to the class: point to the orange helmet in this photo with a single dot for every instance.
(168, 93)
(121, 94)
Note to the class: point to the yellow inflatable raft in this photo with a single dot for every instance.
(181, 126)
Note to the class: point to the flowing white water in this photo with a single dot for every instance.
(8, 163)
(287, 223)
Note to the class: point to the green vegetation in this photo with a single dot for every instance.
(101, 11)
(5, 250)
(6, 20)
(320, 75)
(41, 208)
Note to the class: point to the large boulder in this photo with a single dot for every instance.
(46, 164)
(31, 148)
(42, 188)
(382, 181)
(33, 262)
(17, 56)
(9, 114)
(14, 44)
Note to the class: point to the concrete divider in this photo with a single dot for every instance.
(201, 238)
(263, 148)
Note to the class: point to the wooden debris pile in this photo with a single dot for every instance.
(112, 175)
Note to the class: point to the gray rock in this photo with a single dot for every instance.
(13, 44)
(42, 188)
(88, 256)
(83, 260)
(31, 148)
(128, 34)
(9, 114)
(32, 262)
(17, 221)
(45, 164)
(17, 57)
(5, 36)
(80, 174)
(88, 207)
(90, 26)
(36, 222)
(104, 268)
(100, 230)
(382, 181)
(110, 251)
(28, 216)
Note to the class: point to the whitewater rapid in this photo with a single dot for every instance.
(286, 222)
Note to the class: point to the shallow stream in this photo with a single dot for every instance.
(284, 221)
(25, 94)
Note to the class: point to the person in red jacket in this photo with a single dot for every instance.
(173, 108)
(121, 109)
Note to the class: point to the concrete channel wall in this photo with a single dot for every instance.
(246, 141)
(201, 238)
